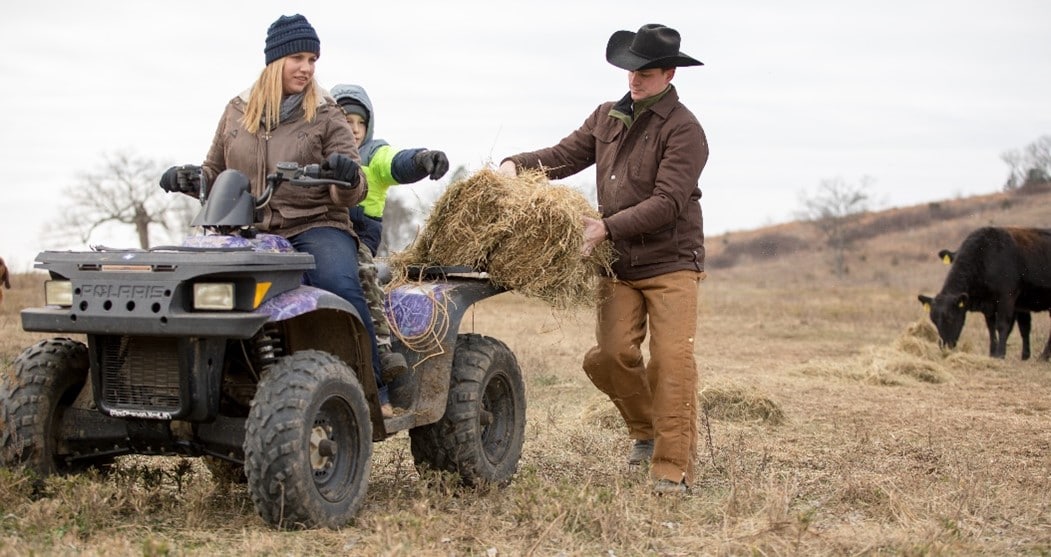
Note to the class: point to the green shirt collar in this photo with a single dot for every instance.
(627, 112)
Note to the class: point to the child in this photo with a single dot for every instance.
(384, 167)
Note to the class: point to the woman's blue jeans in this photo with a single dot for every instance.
(335, 254)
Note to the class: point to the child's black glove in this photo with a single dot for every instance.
(432, 163)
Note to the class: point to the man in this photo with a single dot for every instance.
(648, 150)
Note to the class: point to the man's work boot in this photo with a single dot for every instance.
(393, 364)
(668, 487)
(641, 452)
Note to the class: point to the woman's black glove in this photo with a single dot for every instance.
(343, 168)
(185, 179)
(431, 163)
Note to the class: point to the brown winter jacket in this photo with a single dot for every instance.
(646, 177)
(293, 209)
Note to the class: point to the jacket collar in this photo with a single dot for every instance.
(322, 99)
(623, 109)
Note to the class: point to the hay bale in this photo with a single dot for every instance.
(525, 232)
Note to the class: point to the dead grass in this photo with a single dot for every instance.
(882, 443)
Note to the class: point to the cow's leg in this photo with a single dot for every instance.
(1046, 354)
(1025, 320)
(1005, 319)
(990, 323)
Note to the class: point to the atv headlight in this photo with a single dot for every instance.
(58, 293)
(213, 295)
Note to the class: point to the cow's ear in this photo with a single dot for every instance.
(961, 301)
(925, 300)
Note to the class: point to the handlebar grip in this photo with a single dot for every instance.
(306, 175)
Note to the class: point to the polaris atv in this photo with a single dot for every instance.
(215, 348)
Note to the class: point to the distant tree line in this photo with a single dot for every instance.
(1030, 167)
(833, 209)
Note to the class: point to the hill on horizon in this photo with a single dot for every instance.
(889, 237)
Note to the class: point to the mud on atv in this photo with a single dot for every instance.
(216, 349)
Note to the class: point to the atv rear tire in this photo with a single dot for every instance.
(308, 443)
(481, 434)
(45, 381)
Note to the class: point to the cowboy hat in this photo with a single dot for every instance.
(654, 46)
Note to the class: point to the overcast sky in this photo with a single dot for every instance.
(921, 97)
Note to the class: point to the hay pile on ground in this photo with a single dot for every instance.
(720, 400)
(739, 404)
(524, 231)
(600, 413)
(914, 356)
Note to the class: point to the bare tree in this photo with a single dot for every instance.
(460, 173)
(833, 209)
(124, 191)
(399, 224)
(1030, 166)
(403, 217)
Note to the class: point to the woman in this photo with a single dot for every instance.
(287, 117)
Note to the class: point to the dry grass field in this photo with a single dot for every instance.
(833, 425)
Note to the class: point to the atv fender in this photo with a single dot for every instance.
(427, 318)
(316, 319)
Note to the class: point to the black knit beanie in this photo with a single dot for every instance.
(288, 35)
(351, 106)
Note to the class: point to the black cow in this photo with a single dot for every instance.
(996, 270)
(988, 310)
(5, 278)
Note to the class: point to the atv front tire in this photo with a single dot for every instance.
(480, 436)
(308, 443)
(45, 381)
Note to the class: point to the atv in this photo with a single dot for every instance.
(216, 349)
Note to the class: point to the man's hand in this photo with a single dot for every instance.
(595, 232)
(507, 168)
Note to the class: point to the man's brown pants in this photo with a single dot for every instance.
(658, 400)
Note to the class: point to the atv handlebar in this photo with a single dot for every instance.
(306, 175)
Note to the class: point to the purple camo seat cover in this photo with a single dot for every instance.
(269, 243)
(414, 309)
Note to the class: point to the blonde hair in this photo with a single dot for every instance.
(266, 96)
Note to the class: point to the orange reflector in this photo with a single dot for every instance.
(261, 288)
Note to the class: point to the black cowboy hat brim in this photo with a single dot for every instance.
(618, 53)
